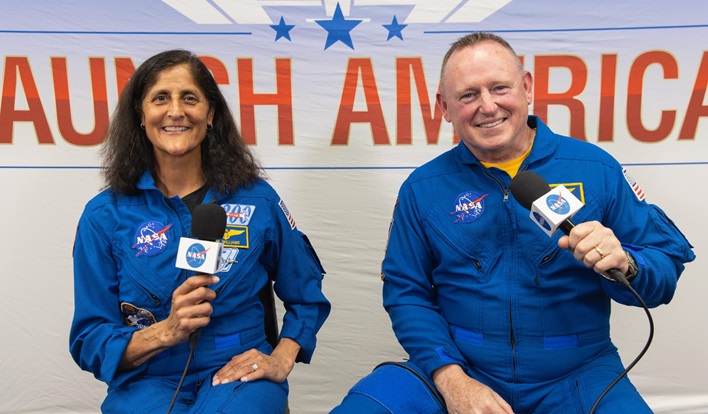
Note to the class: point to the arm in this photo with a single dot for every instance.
(293, 265)
(642, 229)
(409, 295)
(190, 311)
(98, 336)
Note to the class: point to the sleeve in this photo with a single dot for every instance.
(658, 246)
(98, 339)
(408, 292)
(297, 273)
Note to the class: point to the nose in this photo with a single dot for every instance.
(487, 104)
(175, 108)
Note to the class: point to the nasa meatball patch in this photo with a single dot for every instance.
(469, 206)
(151, 238)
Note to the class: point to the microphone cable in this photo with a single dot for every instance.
(619, 277)
(193, 339)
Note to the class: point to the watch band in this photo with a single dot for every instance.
(632, 268)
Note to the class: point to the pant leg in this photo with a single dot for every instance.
(252, 397)
(148, 395)
(578, 392)
(392, 389)
(355, 403)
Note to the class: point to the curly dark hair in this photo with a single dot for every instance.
(227, 161)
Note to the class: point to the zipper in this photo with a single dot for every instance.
(512, 335)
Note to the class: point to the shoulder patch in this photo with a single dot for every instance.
(288, 216)
(633, 185)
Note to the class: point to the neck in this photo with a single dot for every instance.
(179, 178)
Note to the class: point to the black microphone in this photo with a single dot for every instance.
(208, 224)
(202, 253)
(528, 187)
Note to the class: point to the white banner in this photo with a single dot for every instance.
(338, 101)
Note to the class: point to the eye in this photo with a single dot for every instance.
(159, 99)
(469, 96)
(191, 99)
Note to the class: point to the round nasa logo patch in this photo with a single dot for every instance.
(469, 206)
(196, 255)
(151, 238)
(557, 204)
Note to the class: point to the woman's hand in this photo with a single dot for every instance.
(253, 364)
(190, 311)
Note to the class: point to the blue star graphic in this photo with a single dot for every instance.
(394, 29)
(338, 28)
(282, 29)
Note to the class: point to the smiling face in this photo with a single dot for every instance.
(176, 113)
(485, 94)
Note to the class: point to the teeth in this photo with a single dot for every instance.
(175, 129)
(493, 124)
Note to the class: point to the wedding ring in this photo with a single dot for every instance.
(254, 366)
(597, 249)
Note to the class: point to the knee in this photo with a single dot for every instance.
(392, 389)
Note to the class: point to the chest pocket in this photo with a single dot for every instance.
(142, 284)
(459, 245)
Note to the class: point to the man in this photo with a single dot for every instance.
(498, 315)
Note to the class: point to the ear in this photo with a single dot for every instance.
(210, 117)
(528, 87)
(443, 105)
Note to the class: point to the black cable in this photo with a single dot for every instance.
(641, 354)
(193, 339)
(430, 387)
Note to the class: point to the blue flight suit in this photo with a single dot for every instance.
(469, 279)
(124, 276)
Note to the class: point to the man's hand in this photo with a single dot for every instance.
(465, 395)
(596, 247)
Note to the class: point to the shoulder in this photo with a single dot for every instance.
(567, 148)
(444, 164)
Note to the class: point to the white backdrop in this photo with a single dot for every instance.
(630, 76)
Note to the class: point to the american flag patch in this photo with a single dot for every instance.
(289, 216)
(636, 189)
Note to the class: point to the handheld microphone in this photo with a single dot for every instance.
(202, 254)
(551, 209)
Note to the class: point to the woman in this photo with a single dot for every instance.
(172, 144)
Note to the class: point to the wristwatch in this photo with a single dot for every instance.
(632, 268)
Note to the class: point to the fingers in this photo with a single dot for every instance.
(194, 283)
(249, 366)
(191, 308)
(595, 246)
